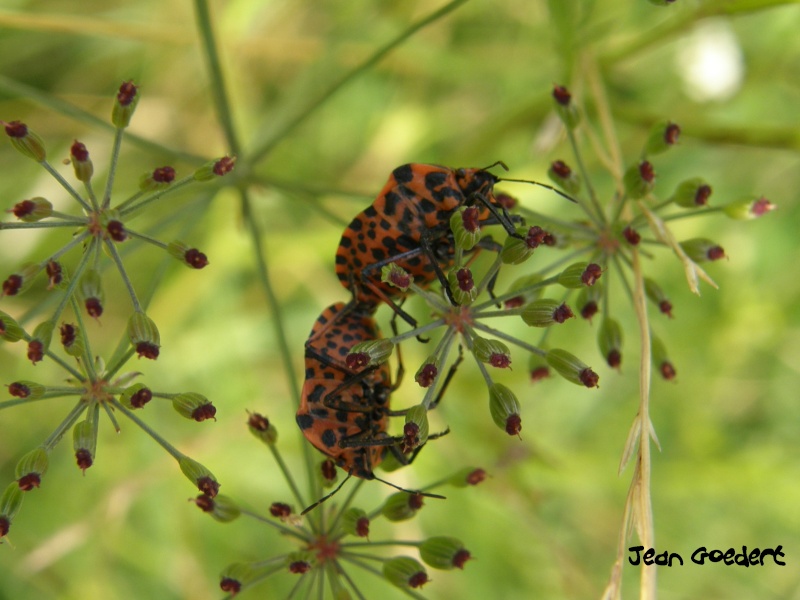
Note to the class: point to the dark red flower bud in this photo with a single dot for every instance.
(230, 586)
(54, 274)
(513, 425)
(164, 175)
(562, 313)
(535, 237)
(415, 501)
(506, 201)
(702, 194)
(84, 459)
(141, 397)
(67, 331)
(79, 152)
(514, 302)
(27, 482)
(665, 306)
(224, 166)
(19, 390)
(299, 567)
(35, 351)
(5, 525)
(16, 129)
(94, 308)
(589, 378)
(539, 373)
(127, 93)
(147, 350)
(716, 253)
(667, 370)
(464, 278)
(475, 477)
(362, 527)
(589, 310)
(357, 360)
(500, 361)
(614, 359)
(632, 236)
(673, 130)
(24, 208)
(647, 171)
(204, 412)
(471, 217)
(258, 422)
(116, 231)
(204, 502)
(12, 285)
(280, 510)
(591, 274)
(418, 580)
(426, 375)
(460, 558)
(208, 486)
(195, 259)
(561, 95)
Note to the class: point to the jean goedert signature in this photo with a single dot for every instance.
(702, 556)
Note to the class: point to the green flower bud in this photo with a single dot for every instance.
(355, 522)
(466, 227)
(81, 163)
(748, 208)
(565, 108)
(31, 468)
(462, 285)
(20, 282)
(467, 476)
(390, 463)
(702, 250)
(194, 406)
(29, 390)
(35, 209)
(215, 168)
(191, 257)
(528, 288)
(236, 576)
(572, 368)
(124, 105)
(39, 343)
(10, 501)
(10, 330)
(199, 475)
(401, 506)
(661, 359)
(328, 473)
(639, 180)
(545, 312)
(262, 428)
(136, 396)
(300, 561)
(415, 430)
(609, 339)
(517, 250)
(692, 193)
(444, 553)
(84, 442)
(654, 292)
(143, 334)
(538, 368)
(221, 507)
(580, 274)
(396, 276)
(158, 179)
(505, 409)
(405, 572)
(25, 141)
(663, 135)
(494, 352)
(91, 291)
(588, 300)
(564, 177)
(72, 339)
(369, 353)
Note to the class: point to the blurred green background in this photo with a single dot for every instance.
(469, 89)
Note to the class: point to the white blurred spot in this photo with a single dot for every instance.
(710, 62)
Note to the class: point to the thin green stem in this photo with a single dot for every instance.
(70, 190)
(370, 569)
(111, 417)
(476, 310)
(129, 208)
(287, 531)
(148, 430)
(112, 250)
(73, 282)
(76, 241)
(267, 146)
(218, 88)
(597, 215)
(287, 474)
(88, 362)
(46, 396)
(354, 489)
(112, 167)
(55, 437)
(417, 331)
(91, 194)
(509, 338)
(76, 222)
(146, 238)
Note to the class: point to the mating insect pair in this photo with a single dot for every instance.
(343, 413)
